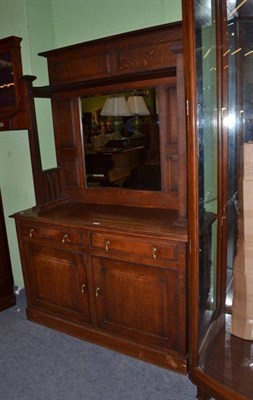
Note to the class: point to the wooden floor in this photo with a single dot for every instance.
(229, 360)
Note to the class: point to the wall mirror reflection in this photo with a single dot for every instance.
(121, 140)
(7, 84)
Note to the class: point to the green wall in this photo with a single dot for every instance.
(30, 20)
(91, 19)
(15, 169)
(16, 187)
(44, 25)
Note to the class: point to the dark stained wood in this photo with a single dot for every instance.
(167, 251)
(181, 138)
(109, 264)
(192, 178)
(165, 98)
(201, 395)
(71, 158)
(225, 370)
(133, 52)
(87, 259)
(140, 59)
(53, 275)
(140, 220)
(51, 185)
(228, 358)
(127, 294)
(7, 297)
(33, 140)
(47, 184)
(69, 148)
(69, 179)
(120, 263)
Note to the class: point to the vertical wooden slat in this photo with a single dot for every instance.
(181, 134)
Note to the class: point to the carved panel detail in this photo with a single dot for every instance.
(139, 51)
(80, 69)
(154, 56)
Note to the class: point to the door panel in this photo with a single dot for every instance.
(59, 282)
(137, 301)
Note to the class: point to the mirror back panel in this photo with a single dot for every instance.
(142, 166)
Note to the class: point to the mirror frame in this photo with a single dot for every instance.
(146, 57)
(63, 103)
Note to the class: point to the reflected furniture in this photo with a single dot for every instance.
(112, 165)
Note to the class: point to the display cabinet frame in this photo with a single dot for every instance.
(216, 360)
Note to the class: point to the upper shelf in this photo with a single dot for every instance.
(139, 52)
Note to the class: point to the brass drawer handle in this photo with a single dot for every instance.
(107, 244)
(97, 292)
(83, 288)
(65, 238)
(154, 253)
(31, 232)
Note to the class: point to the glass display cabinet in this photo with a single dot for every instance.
(138, 240)
(219, 51)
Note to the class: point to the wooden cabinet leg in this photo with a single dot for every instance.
(201, 395)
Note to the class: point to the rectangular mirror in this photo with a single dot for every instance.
(121, 140)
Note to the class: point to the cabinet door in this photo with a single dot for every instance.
(57, 282)
(137, 301)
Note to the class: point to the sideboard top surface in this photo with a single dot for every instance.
(127, 219)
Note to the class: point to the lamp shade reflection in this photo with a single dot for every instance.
(116, 107)
(137, 107)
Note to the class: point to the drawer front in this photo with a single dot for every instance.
(64, 236)
(150, 248)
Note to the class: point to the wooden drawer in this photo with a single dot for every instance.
(64, 236)
(150, 248)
